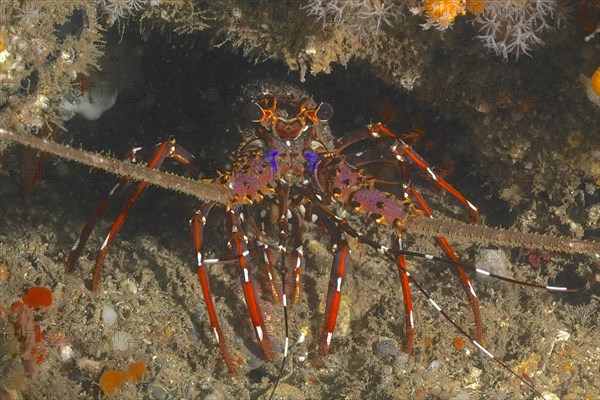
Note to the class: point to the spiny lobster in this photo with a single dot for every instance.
(290, 161)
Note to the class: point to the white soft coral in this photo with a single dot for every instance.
(514, 26)
(366, 15)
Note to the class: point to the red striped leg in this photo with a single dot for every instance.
(339, 270)
(266, 255)
(297, 260)
(466, 284)
(283, 210)
(31, 167)
(473, 300)
(197, 233)
(239, 245)
(409, 322)
(33, 160)
(318, 213)
(404, 152)
(121, 186)
(258, 226)
(297, 255)
(328, 219)
(163, 151)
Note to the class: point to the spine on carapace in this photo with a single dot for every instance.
(459, 232)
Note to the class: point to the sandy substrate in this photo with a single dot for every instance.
(149, 281)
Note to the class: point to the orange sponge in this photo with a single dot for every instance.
(135, 370)
(595, 82)
(37, 297)
(112, 380)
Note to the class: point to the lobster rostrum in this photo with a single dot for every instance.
(290, 162)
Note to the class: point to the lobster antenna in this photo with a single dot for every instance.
(464, 233)
(286, 323)
(473, 268)
(202, 190)
(389, 253)
(471, 338)
(282, 223)
(209, 191)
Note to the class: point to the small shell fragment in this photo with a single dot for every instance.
(109, 316)
(122, 341)
(550, 396)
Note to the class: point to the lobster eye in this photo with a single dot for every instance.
(254, 112)
(325, 111)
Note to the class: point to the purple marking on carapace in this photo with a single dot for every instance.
(312, 161)
(271, 158)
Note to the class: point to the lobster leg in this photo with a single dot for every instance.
(197, 233)
(297, 258)
(121, 186)
(323, 213)
(167, 149)
(466, 284)
(159, 157)
(31, 166)
(114, 229)
(338, 273)
(268, 260)
(265, 252)
(409, 322)
(239, 245)
(319, 213)
(402, 151)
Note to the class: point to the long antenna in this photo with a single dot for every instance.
(209, 191)
(206, 191)
(464, 233)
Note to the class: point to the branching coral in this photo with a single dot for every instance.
(119, 9)
(515, 26)
(505, 26)
(366, 15)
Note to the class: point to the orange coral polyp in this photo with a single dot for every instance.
(475, 7)
(444, 12)
(595, 82)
